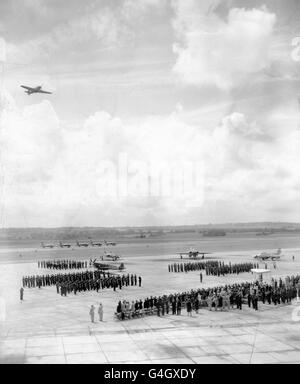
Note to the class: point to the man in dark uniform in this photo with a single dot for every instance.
(249, 299)
(167, 307)
(255, 301)
(22, 294)
(178, 307)
(239, 300)
(174, 307)
(189, 308)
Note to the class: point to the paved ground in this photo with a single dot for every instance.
(47, 328)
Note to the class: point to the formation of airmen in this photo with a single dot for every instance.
(222, 269)
(63, 264)
(96, 284)
(82, 281)
(215, 268)
(223, 298)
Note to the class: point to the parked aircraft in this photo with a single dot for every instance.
(111, 256)
(110, 243)
(84, 245)
(64, 245)
(193, 254)
(107, 267)
(50, 246)
(264, 256)
(96, 243)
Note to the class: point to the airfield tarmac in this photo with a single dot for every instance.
(47, 328)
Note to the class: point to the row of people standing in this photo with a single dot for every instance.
(48, 280)
(224, 297)
(62, 264)
(216, 268)
(39, 281)
(222, 269)
(113, 281)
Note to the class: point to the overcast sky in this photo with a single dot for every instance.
(208, 85)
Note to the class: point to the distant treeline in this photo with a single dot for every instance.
(101, 233)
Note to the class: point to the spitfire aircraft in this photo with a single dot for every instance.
(31, 91)
(49, 246)
(106, 267)
(64, 245)
(96, 243)
(111, 256)
(84, 245)
(110, 243)
(193, 254)
(264, 256)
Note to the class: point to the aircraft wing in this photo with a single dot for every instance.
(28, 88)
(48, 93)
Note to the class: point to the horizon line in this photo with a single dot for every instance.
(157, 226)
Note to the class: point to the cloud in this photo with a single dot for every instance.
(239, 144)
(236, 123)
(99, 27)
(58, 175)
(133, 9)
(2, 50)
(75, 173)
(223, 53)
(39, 7)
(30, 141)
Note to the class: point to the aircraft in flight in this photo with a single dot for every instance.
(193, 254)
(264, 256)
(85, 245)
(49, 246)
(31, 91)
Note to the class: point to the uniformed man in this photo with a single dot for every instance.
(178, 307)
(100, 312)
(174, 307)
(189, 308)
(92, 314)
(209, 301)
(22, 294)
(255, 301)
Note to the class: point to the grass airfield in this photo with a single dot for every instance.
(47, 328)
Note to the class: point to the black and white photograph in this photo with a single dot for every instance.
(149, 184)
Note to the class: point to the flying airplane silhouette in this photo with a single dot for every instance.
(31, 91)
